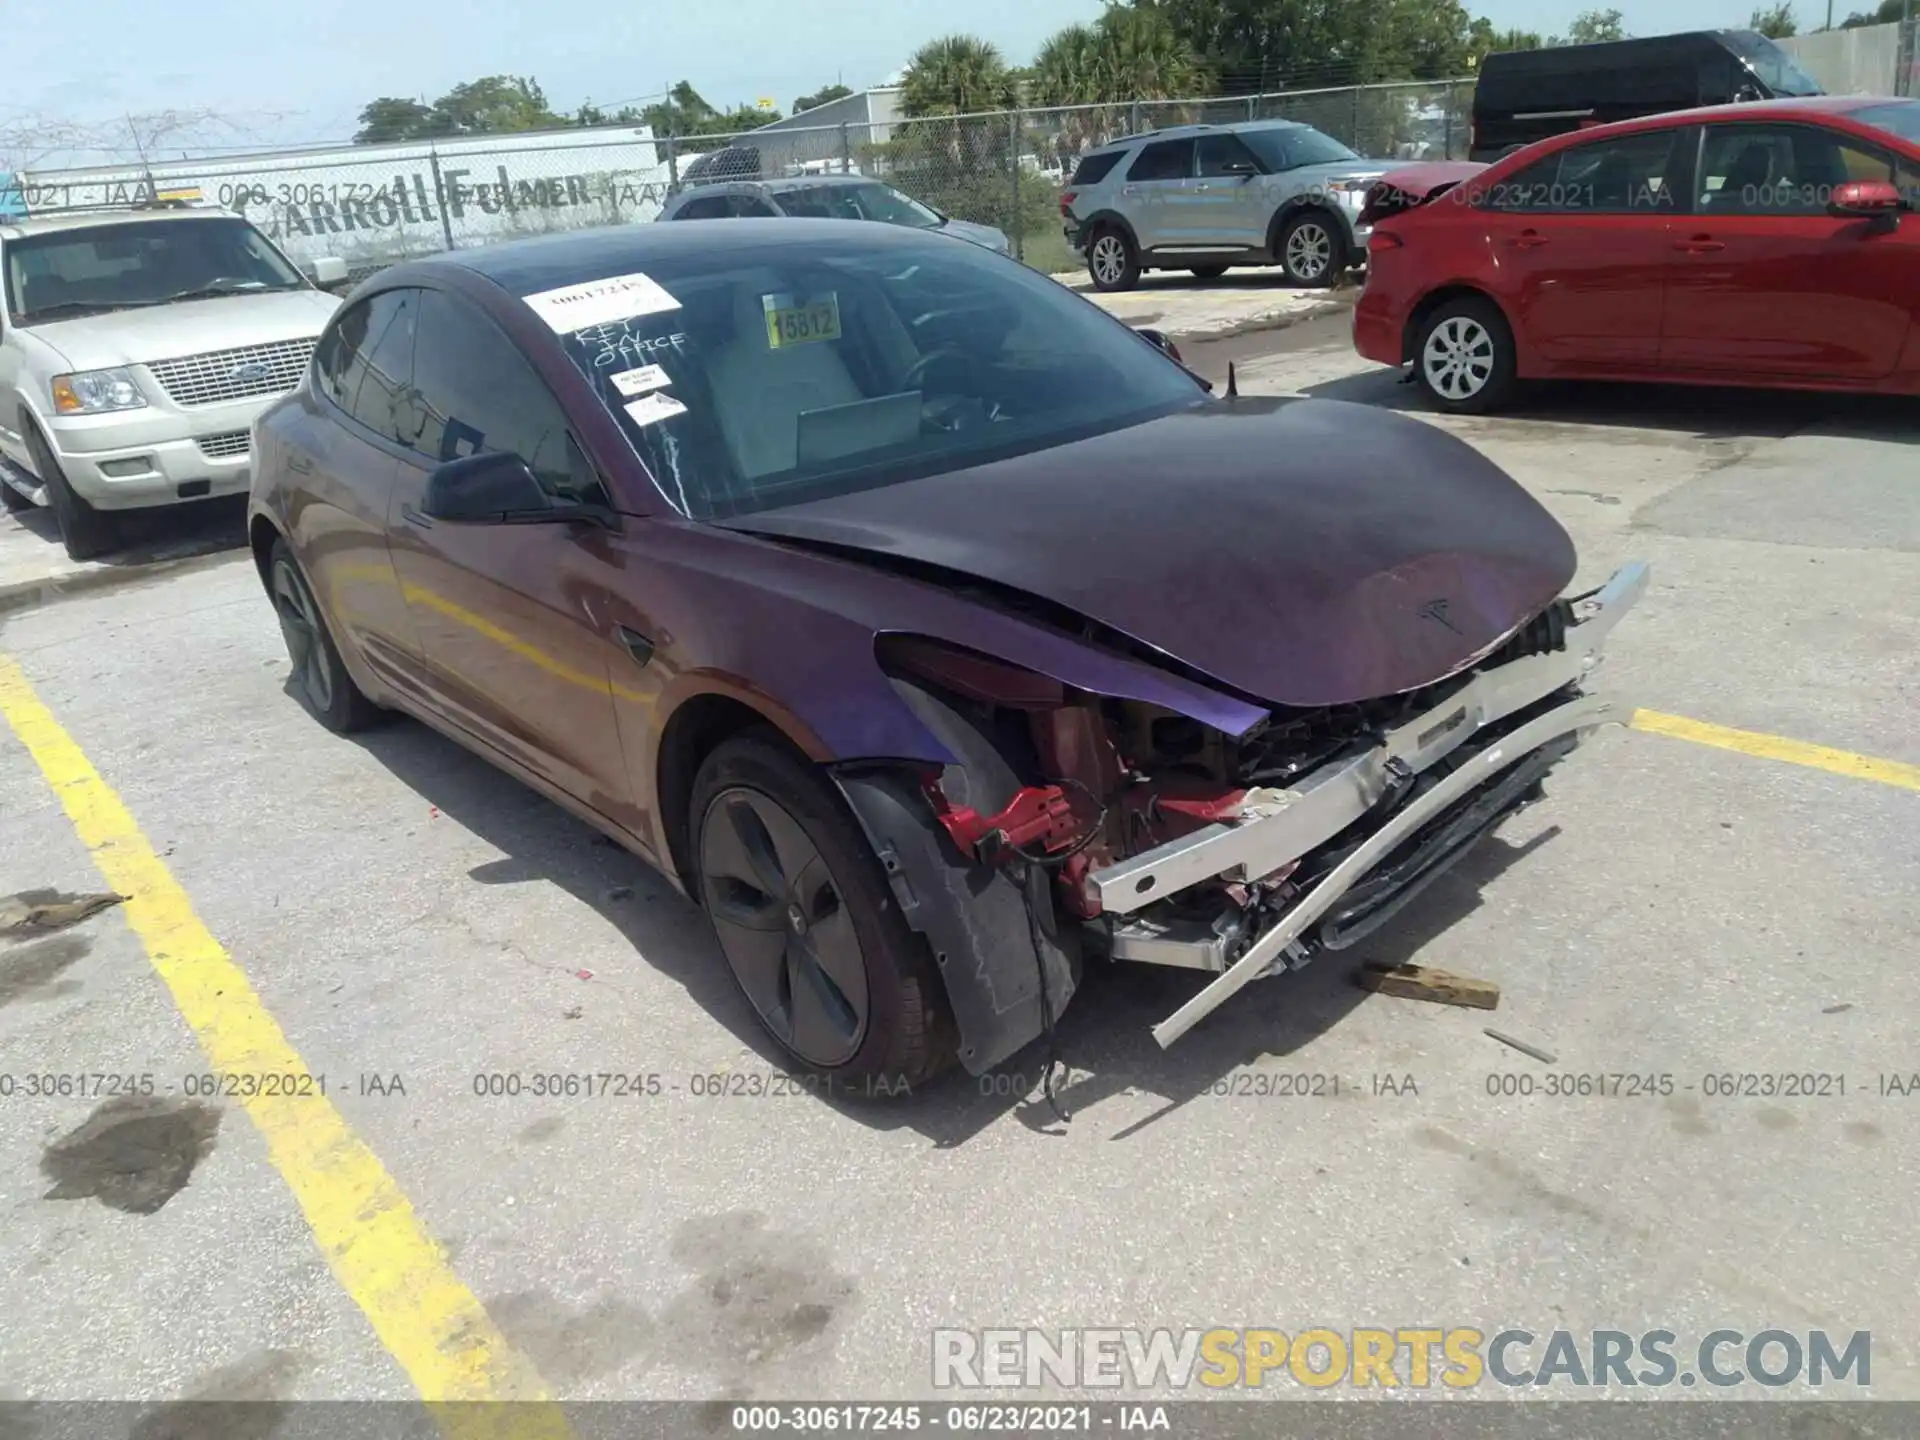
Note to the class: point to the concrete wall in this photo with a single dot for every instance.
(1865, 61)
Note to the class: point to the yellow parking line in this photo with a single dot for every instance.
(1777, 747)
(379, 1250)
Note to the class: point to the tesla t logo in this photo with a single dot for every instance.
(1436, 611)
(252, 370)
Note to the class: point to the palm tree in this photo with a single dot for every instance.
(1143, 57)
(956, 75)
(1070, 70)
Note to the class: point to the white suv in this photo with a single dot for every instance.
(136, 348)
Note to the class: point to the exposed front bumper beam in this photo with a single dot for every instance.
(1324, 803)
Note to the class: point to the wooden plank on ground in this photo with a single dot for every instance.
(1415, 982)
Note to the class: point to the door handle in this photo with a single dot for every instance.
(1700, 245)
(299, 464)
(638, 645)
(1527, 240)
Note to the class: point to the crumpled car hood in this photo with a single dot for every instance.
(1302, 552)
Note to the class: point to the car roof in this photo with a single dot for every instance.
(548, 262)
(777, 183)
(1183, 132)
(105, 215)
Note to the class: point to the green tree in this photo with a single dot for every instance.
(592, 114)
(495, 104)
(1776, 22)
(956, 75)
(1591, 27)
(822, 96)
(390, 118)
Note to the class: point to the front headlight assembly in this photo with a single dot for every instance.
(94, 392)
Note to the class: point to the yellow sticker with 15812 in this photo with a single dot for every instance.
(801, 322)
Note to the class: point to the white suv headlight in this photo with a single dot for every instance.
(93, 391)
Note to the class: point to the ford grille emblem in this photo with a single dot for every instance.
(252, 370)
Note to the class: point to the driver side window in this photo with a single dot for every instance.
(473, 392)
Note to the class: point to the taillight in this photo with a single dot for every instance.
(1067, 197)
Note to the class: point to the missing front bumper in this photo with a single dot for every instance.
(1334, 797)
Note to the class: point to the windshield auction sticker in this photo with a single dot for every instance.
(651, 409)
(639, 382)
(599, 302)
(794, 322)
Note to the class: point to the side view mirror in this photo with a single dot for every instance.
(328, 270)
(1865, 199)
(1158, 339)
(1246, 170)
(498, 488)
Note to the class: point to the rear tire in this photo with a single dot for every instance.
(1464, 357)
(1312, 249)
(1208, 272)
(808, 924)
(319, 678)
(1112, 260)
(86, 532)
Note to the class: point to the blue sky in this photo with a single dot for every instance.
(288, 75)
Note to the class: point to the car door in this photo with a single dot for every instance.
(1767, 283)
(1580, 245)
(1234, 207)
(1157, 194)
(518, 632)
(342, 456)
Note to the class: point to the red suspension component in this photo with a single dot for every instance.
(1038, 818)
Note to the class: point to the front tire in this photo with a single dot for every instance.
(319, 678)
(1464, 357)
(808, 925)
(1113, 262)
(86, 532)
(1312, 249)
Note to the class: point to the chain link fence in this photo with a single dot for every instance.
(374, 205)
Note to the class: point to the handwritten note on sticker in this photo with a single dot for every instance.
(597, 302)
(639, 382)
(651, 409)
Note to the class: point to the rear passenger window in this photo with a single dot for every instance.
(367, 356)
(705, 207)
(1163, 160)
(1633, 174)
(1095, 168)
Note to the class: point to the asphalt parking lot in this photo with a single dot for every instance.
(396, 917)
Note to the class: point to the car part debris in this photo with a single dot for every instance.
(1545, 1057)
(40, 912)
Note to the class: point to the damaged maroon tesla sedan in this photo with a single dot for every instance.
(934, 631)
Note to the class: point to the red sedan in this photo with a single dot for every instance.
(1761, 244)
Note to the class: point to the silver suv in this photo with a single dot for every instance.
(1207, 197)
(136, 349)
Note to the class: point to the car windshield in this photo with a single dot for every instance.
(872, 201)
(795, 371)
(1289, 147)
(1772, 64)
(152, 262)
(1896, 117)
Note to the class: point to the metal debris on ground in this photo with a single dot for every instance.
(1545, 1057)
(39, 912)
(1414, 982)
